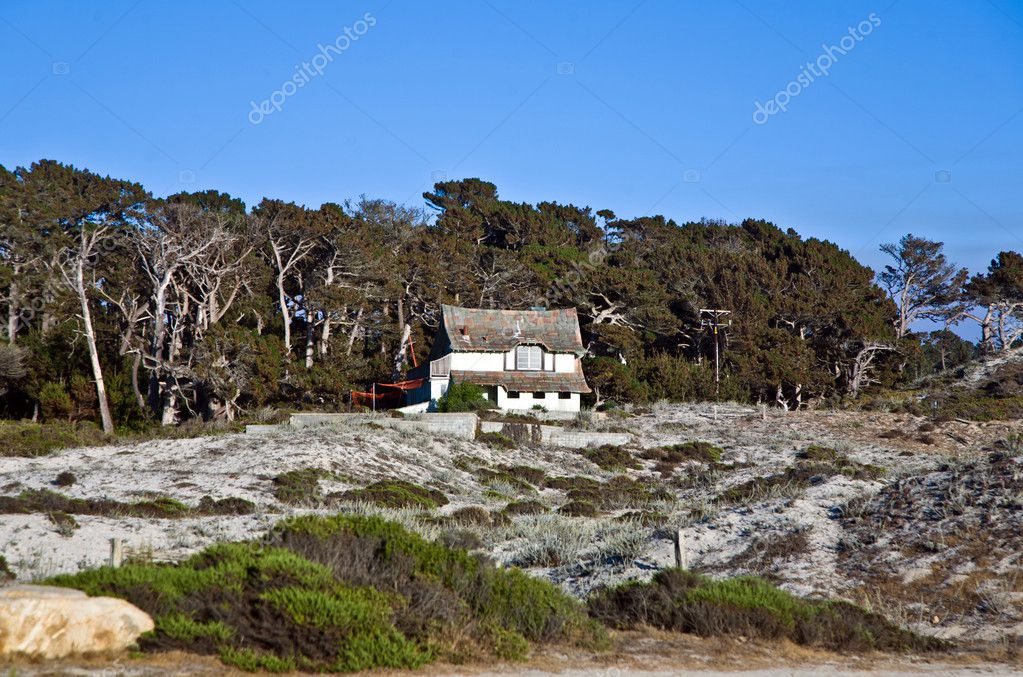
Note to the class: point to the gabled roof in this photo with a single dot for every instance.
(477, 329)
(525, 381)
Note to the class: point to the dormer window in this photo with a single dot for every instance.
(528, 358)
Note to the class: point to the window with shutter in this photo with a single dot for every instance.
(528, 358)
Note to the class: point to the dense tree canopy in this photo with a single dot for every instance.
(125, 308)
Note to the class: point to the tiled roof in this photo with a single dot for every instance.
(525, 381)
(472, 329)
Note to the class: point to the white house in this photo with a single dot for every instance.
(521, 358)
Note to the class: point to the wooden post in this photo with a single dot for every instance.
(763, 412)
(679, 559)
(116, 552)
(715, 412)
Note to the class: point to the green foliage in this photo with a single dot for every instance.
(814, 466)
(6, 575)
(37, 439)
(55, 402)
(46, 501)
(611, 457)
(233, 596)
(397, 494)
(750, 607)
(462, 397)
(497, 440)
(525, 508)
(480, 595)
(669, 457)
(301, 486)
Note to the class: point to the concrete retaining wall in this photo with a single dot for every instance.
(460, 425)
(537, 433)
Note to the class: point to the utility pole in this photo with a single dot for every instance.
(715, 319)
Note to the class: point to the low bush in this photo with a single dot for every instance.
(611, 457)
(39, 439)
(46, 501)
(497, 440)
(648, 518)
(6, 575)
(681, 601)
(65, 523)
(471, 515)
(525, 508)
(619, 492)
(342, 593)
(397, 494)
(815, 466)
(579, 509)
(973, 406)
(301, 486)
(668, 458)
(64, 479)
(461, 397)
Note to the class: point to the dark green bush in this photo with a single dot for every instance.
(611, 457)
(525, 508)
(397, 494)
(497, 440)
(470, 515)
(301, 486)
(6, 575)
(579, 509)
(668, 458)
(681, 601)
(39, 439)
(46, 501)
(464, 397)
(342, 593)
(65, 479)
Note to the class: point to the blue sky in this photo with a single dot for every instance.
(640, 107)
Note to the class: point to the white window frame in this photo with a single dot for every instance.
(528, 358)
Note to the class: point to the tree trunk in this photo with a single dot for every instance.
(12, 308)
(324, 334)
(354, 332)
(399, 355)
(135, 380)
(90, 339)
(285, 313)
(309, 339)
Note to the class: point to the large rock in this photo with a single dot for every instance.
(48, 622)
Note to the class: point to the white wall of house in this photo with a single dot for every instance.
(477, 361)
(549, 401)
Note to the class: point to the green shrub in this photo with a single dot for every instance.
(815, 465)
(471, 515)
(6, 575)
(301, 486)
(611, 457)
(681, 601)
(55, 402)
(65, 523)
(525, 508)
(46, 501)
(497, 440)
(65, 479)
(445, 588)
(397, 494)
(668, 458)
(462, 397)
(39, 439)
(579, 509)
